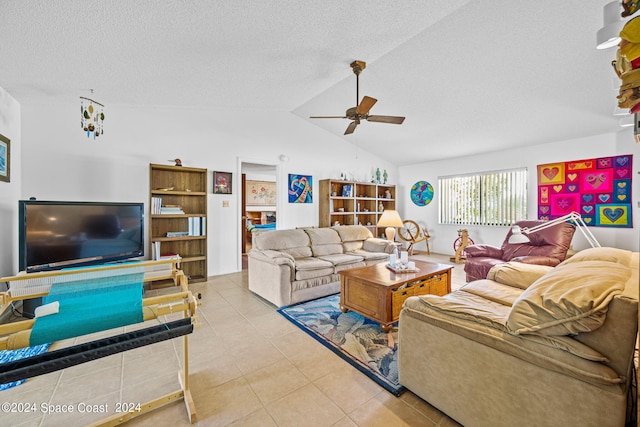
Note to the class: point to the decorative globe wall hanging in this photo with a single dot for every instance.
(422, 193)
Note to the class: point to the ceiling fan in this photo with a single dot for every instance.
(361, 111)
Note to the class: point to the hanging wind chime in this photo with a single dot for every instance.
(92, 117)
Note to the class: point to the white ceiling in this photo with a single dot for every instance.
(470, 76)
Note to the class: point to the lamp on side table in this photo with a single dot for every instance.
(390, 219)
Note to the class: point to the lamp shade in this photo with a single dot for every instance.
(390, 219)
(517, 236)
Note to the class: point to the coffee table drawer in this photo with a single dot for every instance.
(434, 285)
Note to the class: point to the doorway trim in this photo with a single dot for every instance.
(238, 184)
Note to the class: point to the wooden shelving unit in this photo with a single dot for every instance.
(350, 202)
(184, 188)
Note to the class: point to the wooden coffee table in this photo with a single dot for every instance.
(378, 293)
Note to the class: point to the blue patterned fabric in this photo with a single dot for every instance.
(353, 337)
(89, 305)
(21, 353)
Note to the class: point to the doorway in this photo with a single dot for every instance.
(258, 207)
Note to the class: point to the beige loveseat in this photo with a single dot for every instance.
(290, 266)
(528, 346)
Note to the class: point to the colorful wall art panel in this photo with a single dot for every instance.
(598, 189)
(421, 193)
(300, 188)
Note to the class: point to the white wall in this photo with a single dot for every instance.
(60, 163)
(10, 191)
(442, 236)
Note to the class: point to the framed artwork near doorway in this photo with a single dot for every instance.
(260, 193)
(222, 182)
(5, 159)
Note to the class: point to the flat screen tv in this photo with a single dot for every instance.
(56, 235)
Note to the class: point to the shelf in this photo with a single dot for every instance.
(167, 216)
(178, 193)
(171, 239)
(364, 196)
(192, 248)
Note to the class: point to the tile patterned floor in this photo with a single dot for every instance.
(249, 366)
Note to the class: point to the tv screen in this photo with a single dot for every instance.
(55, 235)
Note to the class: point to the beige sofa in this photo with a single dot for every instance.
(530, 345)
(291, 266)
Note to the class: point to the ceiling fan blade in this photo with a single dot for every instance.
(365, 105)
(351, 128)
(386, 119)
(327, 117)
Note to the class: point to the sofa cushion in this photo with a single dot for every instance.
(342, 259)
(493, 291)
(619, 256)
(517, 274)
(293, 242)
(309, 268)
(480, 320)
(570, 299)
(370, 256)
(376, 244)
(350, 265)
(312, 263)
(324, 241)
(353, 236)
(352, 246)
(552, 242)
(313, 274)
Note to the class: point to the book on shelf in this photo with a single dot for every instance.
(197, 226)
(157, 255)
(156, 204)
(155, 250)
(171, 210)
(177, 233)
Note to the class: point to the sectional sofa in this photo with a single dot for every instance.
(530, 345)
(291, 266)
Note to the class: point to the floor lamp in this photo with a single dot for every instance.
(518, 235)
(390, 219)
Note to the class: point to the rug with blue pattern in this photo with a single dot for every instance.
(353, 337)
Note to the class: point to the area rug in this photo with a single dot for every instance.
(353, 337)
(22, 353)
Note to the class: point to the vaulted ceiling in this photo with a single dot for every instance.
(470, 76)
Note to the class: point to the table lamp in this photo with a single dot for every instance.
(390, 219)
(519, 235)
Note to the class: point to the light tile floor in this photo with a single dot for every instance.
(249, 366)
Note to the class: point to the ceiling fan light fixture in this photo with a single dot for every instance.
(361, 110)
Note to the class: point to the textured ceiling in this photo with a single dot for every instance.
(470, 76)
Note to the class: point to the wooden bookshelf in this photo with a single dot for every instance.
(351, 202)
(185, 189)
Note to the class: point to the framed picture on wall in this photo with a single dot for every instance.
(260, 193)
(5, 159)
(222, 182)
(300, 188)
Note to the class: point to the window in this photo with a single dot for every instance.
(491, 198)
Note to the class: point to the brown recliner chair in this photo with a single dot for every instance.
(547, 247)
